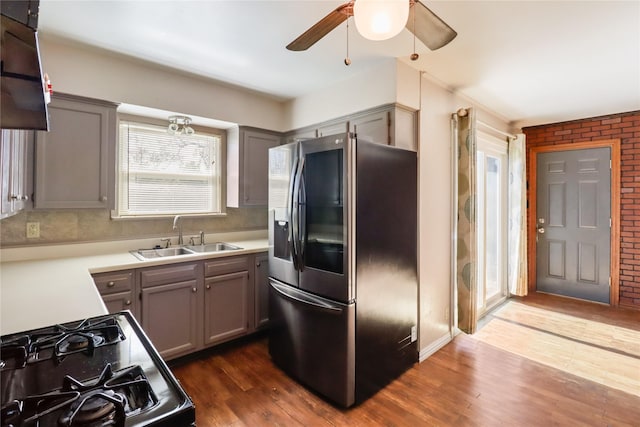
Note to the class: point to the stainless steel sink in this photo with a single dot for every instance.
(145, 254)
(213, 247)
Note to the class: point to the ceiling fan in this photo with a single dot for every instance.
(422, 22)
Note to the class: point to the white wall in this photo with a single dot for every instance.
(435, 223)
(99, 74)
(376, 86)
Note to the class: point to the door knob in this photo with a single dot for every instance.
(540, 229)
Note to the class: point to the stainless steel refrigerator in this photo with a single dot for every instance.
(343, 294)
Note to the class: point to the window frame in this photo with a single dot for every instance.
(222, 133)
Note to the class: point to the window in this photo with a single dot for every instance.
(163, 174)
(492, 224)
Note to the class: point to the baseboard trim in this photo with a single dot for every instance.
(434, 347)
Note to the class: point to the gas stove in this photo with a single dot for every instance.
(97, 372)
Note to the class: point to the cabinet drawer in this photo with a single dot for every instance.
(163, 275)
(226, 265)
(109, 283)
(119, 301)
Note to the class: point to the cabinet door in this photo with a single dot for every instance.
(74, 160)
(226, 307)
(14, 149)
(373, 127)
(333, 128)
(302, 135)
(404, 132)
(255, 158)
(120, 301)
(261, 278)
(170, 317)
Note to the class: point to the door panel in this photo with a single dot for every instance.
(572, 218)
(283, 162)
(323, 217)
(313, 339)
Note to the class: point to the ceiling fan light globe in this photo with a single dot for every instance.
(380, 19)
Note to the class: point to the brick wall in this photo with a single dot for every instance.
(626, 127)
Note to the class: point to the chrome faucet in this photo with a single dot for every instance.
(177, 224)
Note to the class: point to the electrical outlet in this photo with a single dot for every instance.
(33, 230)
(446, 314)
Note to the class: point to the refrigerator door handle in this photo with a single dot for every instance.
(297, 235)
(293, 215)
(303, 221)
(306, 299)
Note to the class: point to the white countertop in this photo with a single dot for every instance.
(44, 285)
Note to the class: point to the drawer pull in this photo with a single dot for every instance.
(111, 284)
(127, 302)
(194, 289)
(208, 286)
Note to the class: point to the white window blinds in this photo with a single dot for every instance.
(163, 174)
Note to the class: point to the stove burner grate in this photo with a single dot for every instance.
(59, 341)
(103, 402)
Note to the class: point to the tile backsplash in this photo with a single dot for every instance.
(94, 225)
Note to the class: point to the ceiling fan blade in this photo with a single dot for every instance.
(429, 28)
(322, 27)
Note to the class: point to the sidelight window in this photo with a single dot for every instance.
(163, 174)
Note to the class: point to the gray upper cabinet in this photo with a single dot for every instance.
(333, 128)
(301, 135)
(75, 160)
(15, 152)
(372, 127)
(247, 166)
(390, 124)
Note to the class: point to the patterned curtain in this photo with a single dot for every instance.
(517, 232)
(464, 133)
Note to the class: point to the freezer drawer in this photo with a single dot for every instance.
(312, 339)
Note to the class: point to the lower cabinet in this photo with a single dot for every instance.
(226, 313)
(261, 285)
(118, 291)
(171, 307)
(186, 307)
(228, 299)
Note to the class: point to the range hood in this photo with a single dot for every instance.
(22, 88)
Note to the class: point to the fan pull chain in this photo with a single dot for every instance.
(347, 61)
(414, 56)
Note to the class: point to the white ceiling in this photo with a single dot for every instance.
(532, 62)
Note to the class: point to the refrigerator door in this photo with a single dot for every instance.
(283, 165)
(323, 215)
(312, 339)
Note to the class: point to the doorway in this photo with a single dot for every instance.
(573, 220)
(492, 182)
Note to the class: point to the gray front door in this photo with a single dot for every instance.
(573, 222)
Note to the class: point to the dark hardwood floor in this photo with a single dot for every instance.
(467, 383)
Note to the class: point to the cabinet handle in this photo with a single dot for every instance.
(194, 289)
(208, 286)
(19, 197)
(257, 264)
(103, 198)
(111, 284)
(127, 302)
